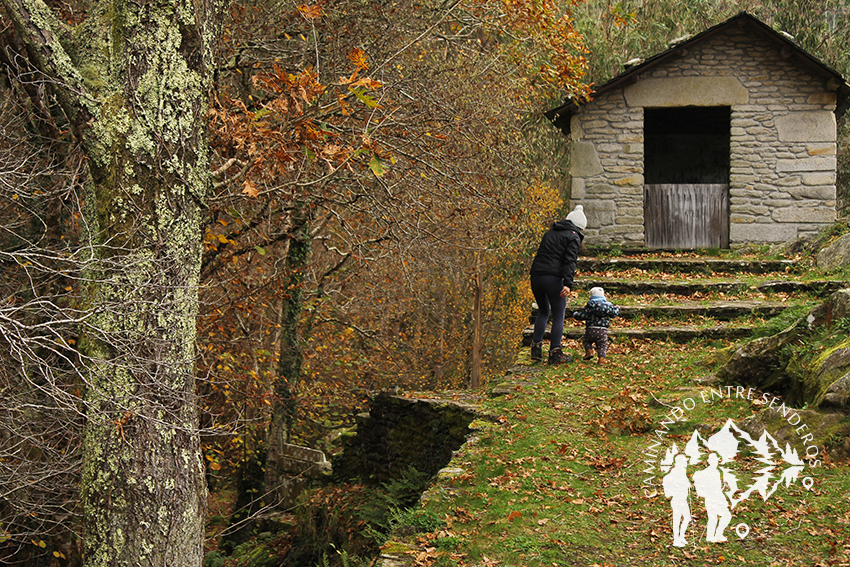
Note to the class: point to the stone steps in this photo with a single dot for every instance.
(718, 310)
(727, 317)
(726, 310)
(648, 287)
(674, 333)
(684, 265)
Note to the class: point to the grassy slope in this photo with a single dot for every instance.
(547, 487)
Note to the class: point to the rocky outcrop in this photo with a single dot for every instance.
(830, 430)
(819, 382)
(827, 382)
(771, 364)
(761, 363)
(836, 255)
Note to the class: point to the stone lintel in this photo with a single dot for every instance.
(687, 91)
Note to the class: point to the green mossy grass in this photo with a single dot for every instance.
(549, 487)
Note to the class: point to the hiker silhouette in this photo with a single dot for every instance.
(708, 484)
(677, 488)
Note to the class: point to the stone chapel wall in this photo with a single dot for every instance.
(783, 141)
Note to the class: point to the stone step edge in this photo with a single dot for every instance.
(685, 265)
(645, 287)
(682, 333)
(719, 310)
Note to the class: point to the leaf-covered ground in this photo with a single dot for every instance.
(562, 475)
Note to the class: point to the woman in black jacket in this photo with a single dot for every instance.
(552, 273)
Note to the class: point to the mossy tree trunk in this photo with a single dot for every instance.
(134, 81)
(290, 351)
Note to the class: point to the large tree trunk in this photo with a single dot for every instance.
(134, 81)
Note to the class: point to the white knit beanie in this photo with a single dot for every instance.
(597, 292)
(577, 217)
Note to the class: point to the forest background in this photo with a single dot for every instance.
(378, 175)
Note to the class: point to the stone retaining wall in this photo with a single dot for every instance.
(399, 433)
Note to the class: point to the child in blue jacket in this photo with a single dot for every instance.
(597, 316)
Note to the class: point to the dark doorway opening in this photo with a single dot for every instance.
(686, 177)
(686, 145)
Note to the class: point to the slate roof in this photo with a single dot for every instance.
(560, 116)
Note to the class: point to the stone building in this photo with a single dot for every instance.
(726, 138)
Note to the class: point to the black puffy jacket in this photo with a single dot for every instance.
(558, 252)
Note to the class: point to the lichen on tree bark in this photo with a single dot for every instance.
(134, 79)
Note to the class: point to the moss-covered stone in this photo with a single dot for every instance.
(761, 364)
(795, 364)
(824, 372)
(400, 433)
(826, 431)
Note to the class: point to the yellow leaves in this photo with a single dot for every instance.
(361, 95)
(313, 12)
(358, 57)
(377, 167)
(550, 53)
(368, 82)
(214, 465)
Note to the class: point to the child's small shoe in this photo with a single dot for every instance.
(588, 354)
(603, 360)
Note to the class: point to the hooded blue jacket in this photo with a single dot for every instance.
(597, 313)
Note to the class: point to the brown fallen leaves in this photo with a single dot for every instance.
(626, 413)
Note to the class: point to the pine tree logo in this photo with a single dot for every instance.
(721, 466)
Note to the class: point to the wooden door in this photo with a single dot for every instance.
(686, 216)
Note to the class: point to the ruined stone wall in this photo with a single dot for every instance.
(783, 141)
(399, 433)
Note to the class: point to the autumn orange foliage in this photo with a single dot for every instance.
(414, 177)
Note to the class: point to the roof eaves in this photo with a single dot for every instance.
(560, 116)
